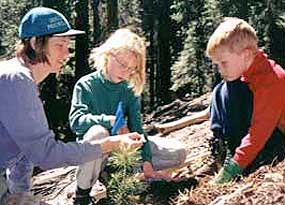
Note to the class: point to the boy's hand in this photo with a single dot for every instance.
(228, 172)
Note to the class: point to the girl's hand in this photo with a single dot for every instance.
(150, 173)
(123, 130)
(132, 140)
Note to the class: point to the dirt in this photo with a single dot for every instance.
(265, 186)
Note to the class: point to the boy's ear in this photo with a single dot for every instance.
(248, 56)
(247, 52)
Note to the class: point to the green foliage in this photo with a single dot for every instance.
(192, 73)
(268, 20)
(129, 14)
(11, 12)
(125, 160)
(181, 15)
(123, 188)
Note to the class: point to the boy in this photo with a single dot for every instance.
(248, 107)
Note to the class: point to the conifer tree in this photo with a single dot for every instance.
(192, 73)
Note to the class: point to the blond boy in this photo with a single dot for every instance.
(248, 107)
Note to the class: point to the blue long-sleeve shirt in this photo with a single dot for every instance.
(23, 125)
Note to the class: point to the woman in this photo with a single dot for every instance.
(26, 139)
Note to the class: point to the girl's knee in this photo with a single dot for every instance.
(96, 132)
(182, 155)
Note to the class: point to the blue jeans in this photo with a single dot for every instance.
(3, 185)
(230, 116)
(19, 175)
(16, 177)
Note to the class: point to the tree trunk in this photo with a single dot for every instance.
(81, 44)
(96, 23)
(49, 3)
(148, 27)
(163, 74)
(112, 12)
(2, 48)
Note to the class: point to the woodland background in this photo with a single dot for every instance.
(176, 31)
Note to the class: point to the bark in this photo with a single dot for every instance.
(112, 15)
(81, 44)
(183, 122)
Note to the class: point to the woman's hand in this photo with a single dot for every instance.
(132, 140)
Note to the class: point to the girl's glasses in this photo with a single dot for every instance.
(123, 65)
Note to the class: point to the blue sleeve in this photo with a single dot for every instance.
(23, 116)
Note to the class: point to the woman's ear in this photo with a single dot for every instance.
(33, 42)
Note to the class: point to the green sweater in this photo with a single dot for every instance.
(94, 97)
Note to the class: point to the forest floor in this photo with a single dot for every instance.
(265, 186)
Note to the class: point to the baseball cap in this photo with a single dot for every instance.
(42, 21)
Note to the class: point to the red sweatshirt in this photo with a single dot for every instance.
(266, 80)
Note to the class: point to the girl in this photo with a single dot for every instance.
(119, 79)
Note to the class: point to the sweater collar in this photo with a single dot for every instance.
(108, 82)
(255, 67)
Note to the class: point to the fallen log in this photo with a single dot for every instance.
(177, 109)
(196, 117)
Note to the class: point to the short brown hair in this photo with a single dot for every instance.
(234, 34)
(32, 55)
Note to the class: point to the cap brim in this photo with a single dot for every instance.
(71, 32)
